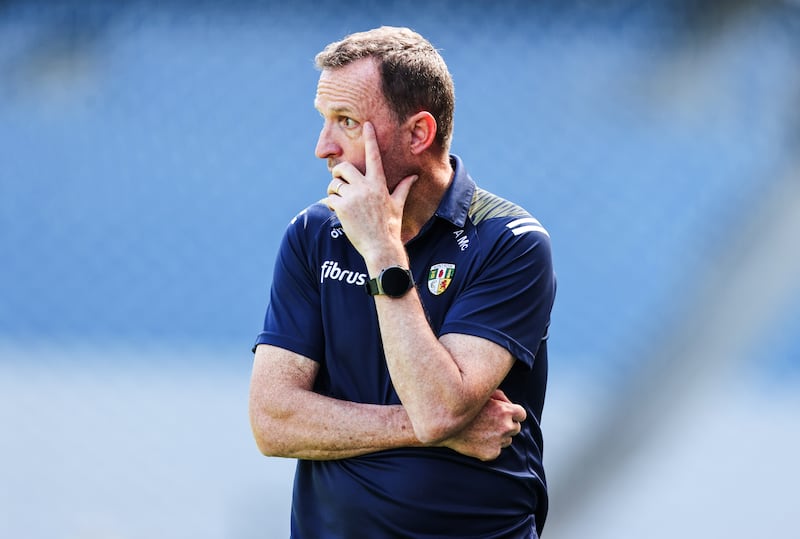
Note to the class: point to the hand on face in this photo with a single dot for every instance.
(370, 216)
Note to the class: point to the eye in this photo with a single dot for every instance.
(347, 122)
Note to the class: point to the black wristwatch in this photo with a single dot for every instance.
(393, 281)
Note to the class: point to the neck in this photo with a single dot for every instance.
(425, 196)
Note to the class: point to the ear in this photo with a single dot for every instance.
(423, 131)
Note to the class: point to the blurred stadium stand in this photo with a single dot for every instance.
(151, 154)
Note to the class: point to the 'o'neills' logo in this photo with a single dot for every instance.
(439, 277)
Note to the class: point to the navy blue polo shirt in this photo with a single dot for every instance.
(482, 267)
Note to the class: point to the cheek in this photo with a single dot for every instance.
(392, 156)
(354, 154)
(357, 153)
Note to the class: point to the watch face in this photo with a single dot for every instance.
(395, 281)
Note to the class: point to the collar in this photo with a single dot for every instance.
(457, 199)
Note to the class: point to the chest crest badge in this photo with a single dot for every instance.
(439, 277)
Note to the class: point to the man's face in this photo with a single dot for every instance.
(346, 98)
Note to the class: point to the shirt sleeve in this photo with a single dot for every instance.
(293, 320)
(511, 296)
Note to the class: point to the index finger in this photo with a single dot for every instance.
(372, 153)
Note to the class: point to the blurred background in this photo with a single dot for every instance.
(152, 153)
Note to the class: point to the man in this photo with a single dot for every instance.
(403, 359)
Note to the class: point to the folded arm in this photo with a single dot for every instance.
(290, 420)
(443, 383)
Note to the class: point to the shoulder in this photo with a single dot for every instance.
(504, 219)
(312, 221)
(306, 232)
(311, 217)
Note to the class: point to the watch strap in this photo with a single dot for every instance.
(393, 281)
(373, 287)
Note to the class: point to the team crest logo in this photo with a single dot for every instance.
(439, 277)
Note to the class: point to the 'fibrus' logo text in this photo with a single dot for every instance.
(331, 270)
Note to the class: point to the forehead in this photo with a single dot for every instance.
(355, 88)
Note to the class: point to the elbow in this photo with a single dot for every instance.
(263, 447)
(265, 434)
(433, 428)
(265, 444)
(430, 436)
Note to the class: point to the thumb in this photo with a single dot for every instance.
(401, 190)
(500, 396)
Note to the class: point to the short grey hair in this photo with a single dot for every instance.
(414, 75)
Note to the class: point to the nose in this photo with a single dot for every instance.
(326, 146)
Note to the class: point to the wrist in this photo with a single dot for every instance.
(393, 281)
(384, 258)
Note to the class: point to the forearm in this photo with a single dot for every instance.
(324, 429)
(428, 379)
(293, 421)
